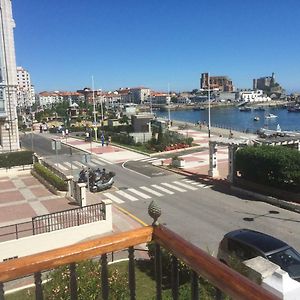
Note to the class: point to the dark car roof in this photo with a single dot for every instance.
(259, 240)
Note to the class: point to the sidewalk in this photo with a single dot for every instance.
(22, 197)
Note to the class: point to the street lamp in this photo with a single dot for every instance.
(208, 85)
(94, 109)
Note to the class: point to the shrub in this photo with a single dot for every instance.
(19, 158)
(276, 166)
(166, 260)
(88, 275)
(53, 179)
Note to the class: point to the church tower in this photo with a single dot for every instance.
(9, 135)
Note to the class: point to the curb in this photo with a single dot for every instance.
(268, 199)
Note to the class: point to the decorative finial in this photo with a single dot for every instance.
(154, 212)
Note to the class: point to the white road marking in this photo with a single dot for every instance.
(139, 193)
(78, 164)
(113, 198)
(190, 181)
(207, 186)
(98, 162)
(92, 164)
(127, 196)
(151, 191)
(186, 185)
(174, 187)
(162, 189)
(62, 167)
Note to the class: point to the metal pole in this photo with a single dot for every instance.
(94, 108)
(208, 84)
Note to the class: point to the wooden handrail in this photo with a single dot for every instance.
(221, 276)
(12, 269)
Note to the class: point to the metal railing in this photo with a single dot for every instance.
(201, 264)
(68, 218)
(54, 221)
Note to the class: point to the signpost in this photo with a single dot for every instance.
(56, 145)
(86, 158)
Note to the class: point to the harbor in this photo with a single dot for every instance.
(230, 117)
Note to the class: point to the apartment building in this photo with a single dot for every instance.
(221, 83)
(25, 90)
(9, 134)
(140, 94)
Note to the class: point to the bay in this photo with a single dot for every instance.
(232, 118)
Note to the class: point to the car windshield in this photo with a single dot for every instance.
(288, 260)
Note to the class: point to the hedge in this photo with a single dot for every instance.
(19, 158)
(276, 166)
(49, 176)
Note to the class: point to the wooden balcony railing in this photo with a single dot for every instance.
(202, 264)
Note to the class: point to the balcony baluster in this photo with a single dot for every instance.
(1, 291)
(104, 277)
(38, 286)
(73, 282)
(131, 271)
(175, 278)
(194, 286)
(158, 272)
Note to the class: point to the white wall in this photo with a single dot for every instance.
(56, 239)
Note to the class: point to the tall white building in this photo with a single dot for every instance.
(9, 135)
(25, 90)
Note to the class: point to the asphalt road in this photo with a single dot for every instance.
(202, 215)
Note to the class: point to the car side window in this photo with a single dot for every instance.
(241, 250)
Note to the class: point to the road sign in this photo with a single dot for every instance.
(86, 158)
(56, 145)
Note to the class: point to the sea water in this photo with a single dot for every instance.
(232, 118)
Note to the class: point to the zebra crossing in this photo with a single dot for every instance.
(75, 164)
(155, 190)
(152, 160)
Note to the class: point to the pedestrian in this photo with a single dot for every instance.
(67, 132)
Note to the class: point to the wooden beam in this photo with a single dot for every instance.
(28, 265)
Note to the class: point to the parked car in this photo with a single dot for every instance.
(242, 244)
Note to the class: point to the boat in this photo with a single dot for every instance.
(245, 108)
(270, 116)
(256, 118)
(198, 108)
(295, 108)
(259, 108)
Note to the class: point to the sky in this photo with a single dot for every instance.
(157, 43)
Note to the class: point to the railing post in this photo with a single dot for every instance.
(194, 286)
(73, 282)
(104, 277)
(1, 291)
(16, 230)
(33, 229)
(154, 212)
(175, 278)
(158, 272)
(131, 271)
(219, 294)
(38, 286)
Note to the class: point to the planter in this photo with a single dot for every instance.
(178, 163)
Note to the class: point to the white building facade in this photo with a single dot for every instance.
(9, 135)
(25, 90)
(253, 96)
(47, 99)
